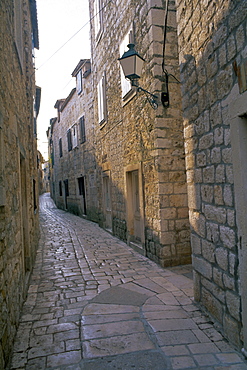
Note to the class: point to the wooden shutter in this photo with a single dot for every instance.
(69, 140)
(82, 130)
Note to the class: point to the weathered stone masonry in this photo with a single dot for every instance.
(76, 165)
(18, 164)
(132, 160)
(135, 139)
(212, 39)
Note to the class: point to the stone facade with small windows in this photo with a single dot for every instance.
(72, 147)
(139, 150)
(132, 166)
(19, 228)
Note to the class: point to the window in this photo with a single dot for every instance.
(98, 19)
(35, 126)
(52, 154)
(18, 20)
(74, 136)
(79, 82)
(60, 188)
(102, 108)
(82, 130)
(125, 84)
(36, 107)
(69, 139)
(60, 148)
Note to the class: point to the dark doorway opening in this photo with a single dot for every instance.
(66, 192)
(82, 191)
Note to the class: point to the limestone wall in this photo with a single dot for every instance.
(18, 171)
(134, 137)
(212, 45)
(80, 160)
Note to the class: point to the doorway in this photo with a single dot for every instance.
(135, 209)
(107, 200)
(66, 193)
(134, 188)
(82, 193)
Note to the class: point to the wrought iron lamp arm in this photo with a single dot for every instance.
(150, 97)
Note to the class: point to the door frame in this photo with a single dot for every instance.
(81, 184)
(238, 125)
(107, 174)
(66, 193)
(129, 204)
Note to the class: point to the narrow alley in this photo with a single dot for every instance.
(94, 303)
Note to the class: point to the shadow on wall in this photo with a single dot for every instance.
(208, 76)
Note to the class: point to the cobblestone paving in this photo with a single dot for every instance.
(95, 304)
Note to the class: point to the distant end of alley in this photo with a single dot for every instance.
(94, 303)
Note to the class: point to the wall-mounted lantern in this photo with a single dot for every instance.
(132, 63)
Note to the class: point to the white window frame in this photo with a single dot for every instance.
(74, 136)
(18, 30)
(79, 82)
(98, 19)
(101, 91)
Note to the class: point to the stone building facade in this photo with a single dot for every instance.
(139, 150)
(212, 37)
(133, 163)
(71, 135)
(19, 229)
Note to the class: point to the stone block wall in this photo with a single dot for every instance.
(80, 160)
(172, 224)
(19, 229)
(212, 39)
(136, 137)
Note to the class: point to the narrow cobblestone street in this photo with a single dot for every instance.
(94, 304)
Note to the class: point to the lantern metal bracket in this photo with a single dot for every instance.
(151, 98)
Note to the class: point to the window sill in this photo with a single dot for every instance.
(102, 124)
(98, 36)
(128, 97)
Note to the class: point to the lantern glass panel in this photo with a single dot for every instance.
(139, 65)
(128, 65)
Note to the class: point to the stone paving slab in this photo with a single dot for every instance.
(140, 360)
(111, 329)
(119, 295)
(117, 345)
(94, 303)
